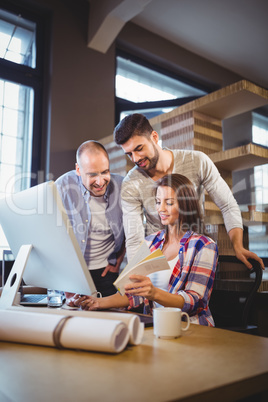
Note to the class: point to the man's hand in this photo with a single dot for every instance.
(111, 268)
(236, 237)
(243, 255)
(119, 259)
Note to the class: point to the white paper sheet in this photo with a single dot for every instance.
(85, 333)
(153, 262)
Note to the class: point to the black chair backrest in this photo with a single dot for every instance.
(234, 292)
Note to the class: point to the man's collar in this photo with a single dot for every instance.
(85, 191)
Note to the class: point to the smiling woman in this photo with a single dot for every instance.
(191, 255)
(167, 205)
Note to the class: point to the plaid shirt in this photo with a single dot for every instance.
(192, 276)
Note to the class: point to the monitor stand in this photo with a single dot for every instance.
(14, 279)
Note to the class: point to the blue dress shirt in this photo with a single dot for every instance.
(75, 199)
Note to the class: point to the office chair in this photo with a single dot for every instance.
(233, 294)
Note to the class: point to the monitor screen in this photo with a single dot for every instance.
(37, 216)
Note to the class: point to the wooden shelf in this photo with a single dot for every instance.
(255, 218)
(249, 219)
(240, 158)
(213, 220)
(237, 98)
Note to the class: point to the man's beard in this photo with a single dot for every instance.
(152, 161)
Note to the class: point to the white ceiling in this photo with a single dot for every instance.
(231, 33)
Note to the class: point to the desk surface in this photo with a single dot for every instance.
(205, 364)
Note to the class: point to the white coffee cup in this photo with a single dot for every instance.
(167, 322)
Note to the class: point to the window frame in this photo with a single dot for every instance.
(122, 105)
(38, 79)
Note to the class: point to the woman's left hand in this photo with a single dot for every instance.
(84, 302)
(90, 303)
(140, 286)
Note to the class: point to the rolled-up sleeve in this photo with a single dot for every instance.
(132, 217)
(200, 280)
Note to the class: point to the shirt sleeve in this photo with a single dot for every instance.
(220, 193)
(200, 280)
(132, 217)
(137, 301)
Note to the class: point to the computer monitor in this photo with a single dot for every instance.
(37, 216)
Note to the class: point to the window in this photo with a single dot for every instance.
(137, 83)
(16, 118)
(18, 45)
(260, 136)
(17, 39)
(22, 109)
(260, 129)
(258, 233)
(144, 89)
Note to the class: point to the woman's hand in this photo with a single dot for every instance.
(88, 303)
(140, 286)
(96, 303)
(71, 298)
(85, 302)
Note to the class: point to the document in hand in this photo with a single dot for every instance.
(143, 263)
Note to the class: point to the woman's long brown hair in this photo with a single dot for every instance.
(190, 216)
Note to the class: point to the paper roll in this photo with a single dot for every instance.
(135, 327)
(77, 332)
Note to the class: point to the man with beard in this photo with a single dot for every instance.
(91, 197)
(139, 141)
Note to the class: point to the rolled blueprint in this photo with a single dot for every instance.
(135, 327)
(63, 331)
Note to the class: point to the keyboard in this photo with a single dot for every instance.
(34, 300)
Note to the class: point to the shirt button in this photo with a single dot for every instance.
(86, 220)
(83, 241)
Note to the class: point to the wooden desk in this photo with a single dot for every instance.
(205, 364)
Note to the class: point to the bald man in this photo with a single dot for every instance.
(91, 196)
